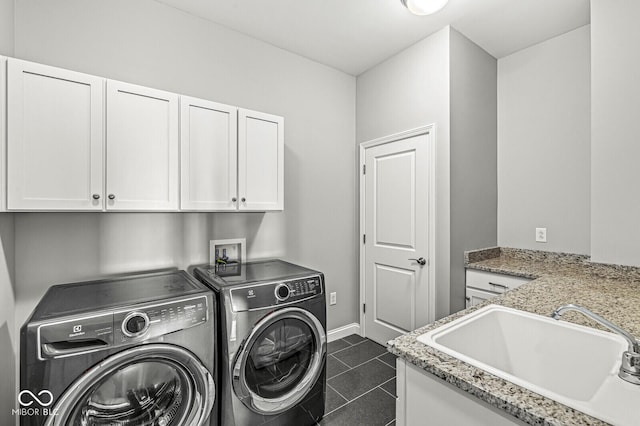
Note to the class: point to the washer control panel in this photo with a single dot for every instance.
(266, 295)
(156, 320)
(78, 335)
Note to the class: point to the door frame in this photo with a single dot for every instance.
(430, 131)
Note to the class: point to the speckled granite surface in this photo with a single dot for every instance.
(608, 290)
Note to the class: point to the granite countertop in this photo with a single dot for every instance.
(609, 290)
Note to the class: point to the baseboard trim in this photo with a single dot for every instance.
(344, 331)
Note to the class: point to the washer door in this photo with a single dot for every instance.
(280, 361)
(155, 384)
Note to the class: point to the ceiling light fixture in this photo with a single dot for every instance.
(424, 7)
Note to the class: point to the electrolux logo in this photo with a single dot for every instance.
(42, 401)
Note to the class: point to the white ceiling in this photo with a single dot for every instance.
(354, 35)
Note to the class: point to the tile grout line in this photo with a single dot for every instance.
(340, 406)
(364, 393)
(341, 362)
(351, 345)
(359, 365)
(375, 357)
(360, 396)
(379, 358)
(349, 402)
(388, 393)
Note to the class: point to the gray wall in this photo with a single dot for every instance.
(544, 144)
(410, 90)
(148, 43)
(473, 79)
(448, 80)
(8, 333)
(6, 27)
(9, 337)
(615, 64)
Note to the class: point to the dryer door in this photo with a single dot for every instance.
(155, 384)
(280, 361)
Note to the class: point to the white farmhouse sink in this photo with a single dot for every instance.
(574, 365)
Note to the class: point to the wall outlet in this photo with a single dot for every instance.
(332, 298)
(541, 235)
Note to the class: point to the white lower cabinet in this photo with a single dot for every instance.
(426, 399)
(475, 296)
(55, 138)
(142, 148)
(482, 285)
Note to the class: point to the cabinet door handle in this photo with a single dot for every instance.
(234, 199)
(504, 287)
(96, 196)
(112, 197)
(243, 199)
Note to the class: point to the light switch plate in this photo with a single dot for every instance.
(541, 235)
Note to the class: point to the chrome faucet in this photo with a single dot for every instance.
(630, 366)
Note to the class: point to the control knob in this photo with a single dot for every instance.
(282, 292)
(135, 324)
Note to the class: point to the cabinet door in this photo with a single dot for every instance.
(260, 161)
(209, 155)
(421, 394)
(475, 296)
(3, 133)
(55, 138)
(142, 148)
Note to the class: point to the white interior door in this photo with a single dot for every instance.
(396, 247)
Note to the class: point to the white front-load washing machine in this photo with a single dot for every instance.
(132, 350)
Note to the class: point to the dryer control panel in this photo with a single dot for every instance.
(277, 293)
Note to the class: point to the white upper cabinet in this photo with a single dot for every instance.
(142, 148)
(260, 161)
(55, 138)
(77, 142)
(208, 144)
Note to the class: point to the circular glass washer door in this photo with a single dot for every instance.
(280, 362)
(149, 385)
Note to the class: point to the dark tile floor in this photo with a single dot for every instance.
(361, 384)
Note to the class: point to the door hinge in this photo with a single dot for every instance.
(364, 169)
(364, 238)
(364, 308)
